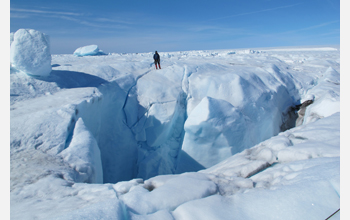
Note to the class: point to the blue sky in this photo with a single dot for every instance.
(177, 25)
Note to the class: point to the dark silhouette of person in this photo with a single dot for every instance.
(156, 58)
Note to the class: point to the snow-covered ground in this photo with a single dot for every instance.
(209, 136)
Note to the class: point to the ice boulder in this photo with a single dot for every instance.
(91, 50)
(30, 52)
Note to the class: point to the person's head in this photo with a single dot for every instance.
(156, 52)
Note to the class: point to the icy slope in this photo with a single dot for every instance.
(200, 109)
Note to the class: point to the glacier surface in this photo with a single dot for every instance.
(110, 137)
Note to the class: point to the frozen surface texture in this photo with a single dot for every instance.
(211, 135)
(30, 52)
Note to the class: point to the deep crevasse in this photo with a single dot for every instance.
(132, 141)
(143, 133)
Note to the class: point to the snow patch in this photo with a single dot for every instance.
(111, 209)
(176, 191)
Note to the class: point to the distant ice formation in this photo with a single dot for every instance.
(91, 50)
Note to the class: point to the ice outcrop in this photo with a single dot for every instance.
(302, 110)
(91, 50)
(30, 52)
(214, 131)
(226, 112)
(325, 96)
(83, 154)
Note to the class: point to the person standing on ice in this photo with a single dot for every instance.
(156, 58)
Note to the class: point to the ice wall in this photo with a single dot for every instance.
(226, 111)
(104, 117)
(157, 120)
(188, 118)
(214, 131)
(83, 154)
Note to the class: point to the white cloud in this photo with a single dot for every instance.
(311, 27)
(255, 12)
(94, 23)
(44, 12)
(78, 18)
